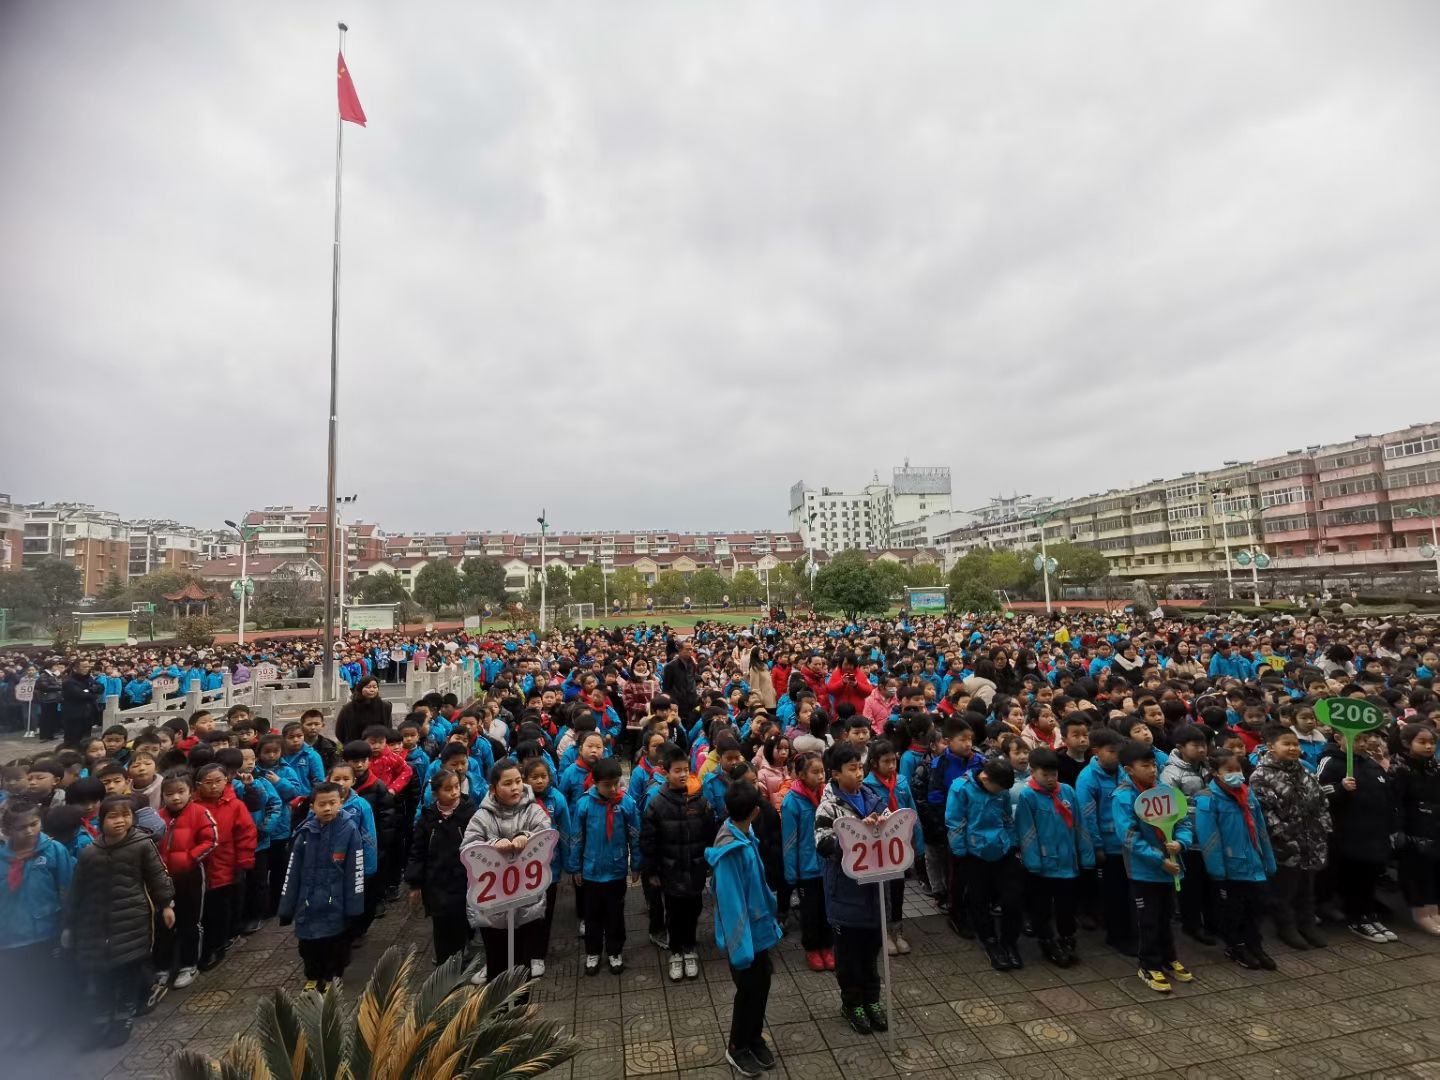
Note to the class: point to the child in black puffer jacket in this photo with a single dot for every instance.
(1415, 789)
(677, 828)
(1365, 822)
(434, 871)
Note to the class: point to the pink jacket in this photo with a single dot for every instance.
(878, 709)
(773, 780)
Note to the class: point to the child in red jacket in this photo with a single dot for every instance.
(191, 837)
(234, 854)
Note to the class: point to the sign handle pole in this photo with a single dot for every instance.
(29, 705)
(1349, 754)
(510, 935)
(885, 962)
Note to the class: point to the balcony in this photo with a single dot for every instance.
(1360, 498)
(1383, 557)
(1368, 468)
(1364, 528)
(1292, 535)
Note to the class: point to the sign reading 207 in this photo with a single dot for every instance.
(506, 880)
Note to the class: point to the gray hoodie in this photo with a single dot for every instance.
(493, 822)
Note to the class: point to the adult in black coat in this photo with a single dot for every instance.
(82, 697)
(678, 682)
(436, 875)
(366, 708)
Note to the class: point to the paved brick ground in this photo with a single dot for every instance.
(1351, 1010)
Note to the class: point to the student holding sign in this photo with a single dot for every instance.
(506, 819)
(1365, 820)
(1151, 863)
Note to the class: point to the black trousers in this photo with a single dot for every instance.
(374, 888)
(1050, 903)
(117, 992)
(857, 959)
(989, 883)
(527, 947)
(279, 863)
(49, 722)
(1117, 907)
(215, 921)
(682, 915)
(1355, 882)
(752, 996)
(1292, 897)
(325, 958)
(655, 904)
(451, 933)
(548, 922)
(257, 887)
(1241, 904)
(237, 904)
(180, 947)
(1419, 879)
(604, 917)
(1154, 915)
(895, 901)
(955, 889)
(814, 927)
(1196, 907)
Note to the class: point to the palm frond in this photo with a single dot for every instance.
(440, 982)
(539, 1047)
(306, 1009)
(192, 1066)
(330, 1047)
(244, 1060)
(455, 1039)
(281, 1038)
(384, 991)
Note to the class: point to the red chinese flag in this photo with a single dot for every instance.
(349, 100)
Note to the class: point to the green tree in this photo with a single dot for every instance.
(196, 631)
(61, 587)
(924, 576)
(22, 596)
(1077, 564)
(113, 596)
(287, 599)
(971, 596)
(848, 584)
(628, 586)
(151, 588)
(670, 587)
(587, 586)
(789, 582)
(1012, 571)
(746, 587)
(891, 577)
(481, 579)
(557, 588)
(381, 587)
(437, 586)
(706, 587)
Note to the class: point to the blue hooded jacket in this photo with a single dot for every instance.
(904, 799)
(307, 766)
(357, 809)
(1142, 844)
(797, 831)
(745, 923)
(270, 811)
(1224, 839)
(1094, 789)
(563, 822)
(287, 786)
(977, 822)
(1048, 846)
(325, 881)
(947, 771)
(601, 857)
(36, 911)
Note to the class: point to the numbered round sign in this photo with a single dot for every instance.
(266, 673)
(1349, 716)
(164, 685)
(877, 852)
(499, 881)
(25, 690)
(1162, 807)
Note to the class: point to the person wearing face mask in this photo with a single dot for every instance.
(1235, 844)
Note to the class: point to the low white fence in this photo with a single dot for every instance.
(278, 700)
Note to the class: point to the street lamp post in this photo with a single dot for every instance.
(543, 526)
(340, 502)
(1428, 509)
(810, 546)
(1044, 560)
(246, 533)
(1215, 494)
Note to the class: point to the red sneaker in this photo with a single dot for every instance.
(816, 960)
(829, 959)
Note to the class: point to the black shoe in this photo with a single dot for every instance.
(762, 1055)
(742, 1061)
(1071, 956)
(1052, 952)
(1198, 934)
(1012, 953)
(960, 927)
(118, 1033)
(252, 926)
(1239, 954)
(1292, 939)
(392, 893)
(999, 957)
(211, 962)
(859, 1020)
(1313, 937)
(878, 1019)
(1266, 960)
(1088, 921)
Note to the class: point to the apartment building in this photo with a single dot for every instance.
(291, 532)
(12, 534)
(96, 542)
(163, 545)
(831, 520)
(1367, 502)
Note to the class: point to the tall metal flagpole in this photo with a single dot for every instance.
(328, 656)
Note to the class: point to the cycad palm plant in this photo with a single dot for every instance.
(446, 1028)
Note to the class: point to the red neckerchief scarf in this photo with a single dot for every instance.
(1241, 795)
(15, 877)
(610, 805)
(1054, 795)
(813, 796)
(889, 786)
(589, 777)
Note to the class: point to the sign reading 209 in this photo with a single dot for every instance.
(499, 881)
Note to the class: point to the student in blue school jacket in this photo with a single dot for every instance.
(1231, 834)
(1054, 848)
(607, 842)
(980, 828)
(745, 926)
(31, 918)
(803, 870)
(1094, 790)
(883, 776)
(324, 891)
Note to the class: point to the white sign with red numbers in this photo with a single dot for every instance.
(25, 690)
(266, 673)
(879, 852)
(164, 685)
(500, 881)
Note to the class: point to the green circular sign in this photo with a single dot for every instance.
(1349, 716)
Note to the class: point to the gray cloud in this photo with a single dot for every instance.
(647, 264)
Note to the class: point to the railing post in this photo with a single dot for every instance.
(110, 714)
(192, 700)
(228, 686)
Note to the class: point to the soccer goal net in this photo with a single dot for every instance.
(580, 614)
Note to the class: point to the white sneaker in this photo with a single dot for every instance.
(1368, 932)
(617, 964)
(677, 967)
(901, 945)
(692, 966)
(580, 930)
(184, 977)
(1385, 932)
(537, 969)
(1430, 924)
(592, 965)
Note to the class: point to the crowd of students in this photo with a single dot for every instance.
(716, 766)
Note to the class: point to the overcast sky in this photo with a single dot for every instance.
(648, 264)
